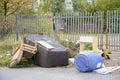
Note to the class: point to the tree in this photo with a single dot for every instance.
(48, 6)
(8, 7)
(96, 5)
(115, 4)
(80, 5)
(103, 5)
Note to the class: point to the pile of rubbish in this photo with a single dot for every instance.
(46, 52)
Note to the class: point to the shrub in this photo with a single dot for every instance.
(73, 47)
(108, 51)
(88, 46)
(26, 62)
(5, 60)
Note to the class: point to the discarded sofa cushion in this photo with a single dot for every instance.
(88, 61)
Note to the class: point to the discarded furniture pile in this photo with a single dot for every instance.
(46, 52)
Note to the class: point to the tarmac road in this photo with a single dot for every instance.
(56, 73)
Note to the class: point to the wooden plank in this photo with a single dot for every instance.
(15, 50)
(16, 58)
(27, 45)
(18, 53)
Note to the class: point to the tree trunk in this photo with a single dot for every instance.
(5, 8)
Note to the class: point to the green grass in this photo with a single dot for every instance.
(5, 61)
(5, 55)
(5, 47)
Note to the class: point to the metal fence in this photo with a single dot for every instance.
(73, 25)
(7, 29)
(65, 26)
(14, 27)
(113, 30)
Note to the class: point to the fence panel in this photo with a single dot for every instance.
(113, 30)
(13, 27)
(71, 26)
(7, 29)
(68, 26)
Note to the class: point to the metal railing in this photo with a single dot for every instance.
(14, 27)
(64, 26)
(113, 30)
(72, 25)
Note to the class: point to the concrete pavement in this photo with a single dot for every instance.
(56, 73)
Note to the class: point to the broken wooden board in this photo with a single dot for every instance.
(29, 50)
(16, 58)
